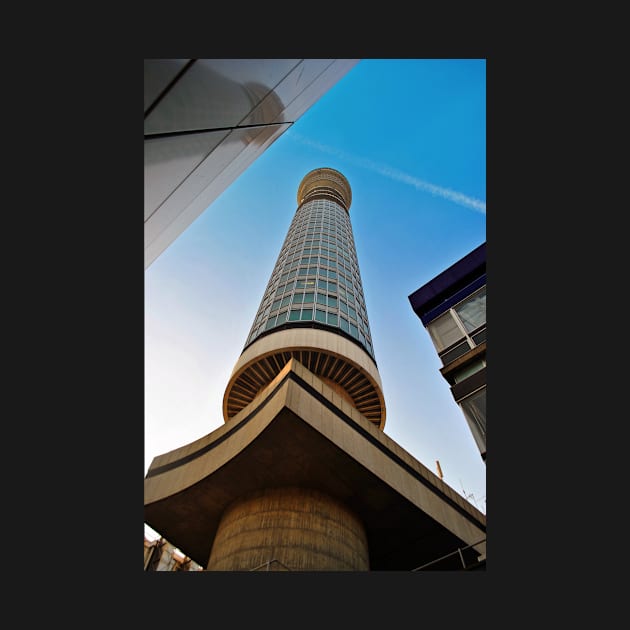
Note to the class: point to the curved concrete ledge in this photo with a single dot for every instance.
(290, 342)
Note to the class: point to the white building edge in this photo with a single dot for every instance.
(207, 120)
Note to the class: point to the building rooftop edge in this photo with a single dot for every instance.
(451, 279)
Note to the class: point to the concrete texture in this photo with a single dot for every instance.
(362, 382)
(299, 433)
(289, 529)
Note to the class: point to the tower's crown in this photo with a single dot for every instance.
(325, 183)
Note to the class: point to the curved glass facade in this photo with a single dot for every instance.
(316, 280)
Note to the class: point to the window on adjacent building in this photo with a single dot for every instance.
(474, 408)
(451, 331)
(444, 331)
(468, 370)
(472, 311)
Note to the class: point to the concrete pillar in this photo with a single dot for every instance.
(295, 529)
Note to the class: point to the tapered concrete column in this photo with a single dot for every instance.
(295, 529)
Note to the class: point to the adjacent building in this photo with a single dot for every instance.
(301, 477)
(452, 307)
(160, 555)
(207, 120)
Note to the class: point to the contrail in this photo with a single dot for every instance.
(387, 171)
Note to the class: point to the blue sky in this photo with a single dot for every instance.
(410, 137)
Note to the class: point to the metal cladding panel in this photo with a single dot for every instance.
(307, 82)
(189, 198)
(195, 146)
(169, 161)
(158, 73)
(217, 93)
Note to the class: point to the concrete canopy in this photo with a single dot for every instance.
(299, 432)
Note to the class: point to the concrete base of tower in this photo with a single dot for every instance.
(212, 498)
(289, 529)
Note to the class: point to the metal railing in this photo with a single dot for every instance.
(268, 563)
(449, 555)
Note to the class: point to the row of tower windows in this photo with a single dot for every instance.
(320, 245)
(336, 283)
(338, 227)
(325, 273)
(325, 285)
(316, 252)
(322, 251)
(325, 278)
(327, 293)
(341, 234)
(284, 270)
(310, 271)
(309, 313)
(348, 304)
(337, 230)
(330, 225)
(331, 303)
(319, 208)
(322, 298)
(323, 235)
(333, 224)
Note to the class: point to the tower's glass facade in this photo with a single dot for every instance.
(316, 277)
(313, 308)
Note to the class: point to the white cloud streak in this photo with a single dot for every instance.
(392, 173)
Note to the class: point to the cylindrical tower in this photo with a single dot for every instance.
(294, 529)
(313, 308)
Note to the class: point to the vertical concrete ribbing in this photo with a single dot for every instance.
(295, 529)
